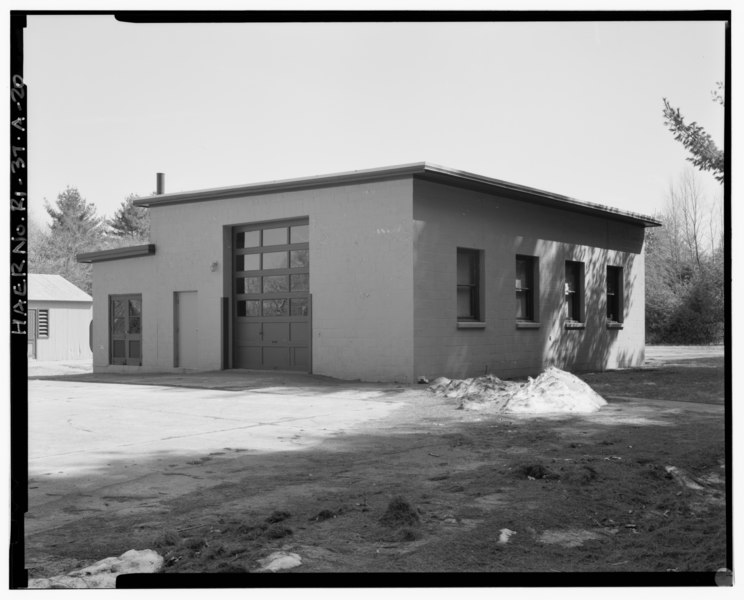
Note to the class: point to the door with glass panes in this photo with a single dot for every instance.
(271, 291)
(126, 330)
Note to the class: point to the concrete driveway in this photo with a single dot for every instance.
(91, 441)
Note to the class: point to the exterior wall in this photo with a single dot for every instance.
(446, 218)
(128, 276)
(361, 277)
(69, 331)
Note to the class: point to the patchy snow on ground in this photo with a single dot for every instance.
(552, 391)
(504, 535)
(568, 538)
(103, 573)
(278, 561)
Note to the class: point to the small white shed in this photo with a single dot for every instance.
(59, 321)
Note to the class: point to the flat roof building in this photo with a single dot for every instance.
(381, 275)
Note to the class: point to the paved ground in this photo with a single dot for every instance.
(47, 368)
(97, 439)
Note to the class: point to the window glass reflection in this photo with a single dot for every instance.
(275, 237)
(274, 260)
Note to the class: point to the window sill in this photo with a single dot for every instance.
(471, 325)
(574, 325)
(528, 325)
(614, 325)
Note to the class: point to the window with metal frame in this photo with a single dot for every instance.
(526, 289)
(574, 291)
(615, 294)
(125, 317)
(272, 259)
(42, 323)
(468, 285)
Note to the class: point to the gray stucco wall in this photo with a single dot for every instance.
(361, 277)
(446, 218)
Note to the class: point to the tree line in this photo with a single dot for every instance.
(684, 268)
(685, 257)
(76, 227)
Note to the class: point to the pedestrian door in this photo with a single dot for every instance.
(186, 330)
(271, 291)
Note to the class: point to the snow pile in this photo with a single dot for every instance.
(479, 391)
(103, 573)
(278, 561)
(552, 391)
(555, 391)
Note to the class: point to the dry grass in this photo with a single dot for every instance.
(693, 380)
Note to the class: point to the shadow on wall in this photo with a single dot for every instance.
(595, 346)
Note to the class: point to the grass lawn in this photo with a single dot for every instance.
(695, 380)
(633, 487)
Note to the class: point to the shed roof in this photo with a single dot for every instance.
(116, 253)
(421, 170)
(54, 288)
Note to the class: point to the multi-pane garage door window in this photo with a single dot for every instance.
(281, 259)
(126, 329)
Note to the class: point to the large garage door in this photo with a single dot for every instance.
(271, 291)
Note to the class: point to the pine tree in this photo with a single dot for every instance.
(75, 215)
(706, 156)
(130, 221)
(75, 228)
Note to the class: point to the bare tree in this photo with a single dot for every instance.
(715, 223)
(692, 212)
(686, 215)
(672, 236)
(684, 267)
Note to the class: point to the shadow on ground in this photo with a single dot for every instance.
(228, 380)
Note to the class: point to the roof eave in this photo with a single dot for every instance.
(66, 300)
(116, 253)
(423, 170)
(284, 184)
(440, 174)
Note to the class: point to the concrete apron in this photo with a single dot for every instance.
(104, 448)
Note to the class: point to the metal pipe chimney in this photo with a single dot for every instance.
(160, 189)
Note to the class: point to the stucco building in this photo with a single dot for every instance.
(381, 275)
(60, 315)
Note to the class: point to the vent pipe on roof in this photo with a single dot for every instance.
(160, 189)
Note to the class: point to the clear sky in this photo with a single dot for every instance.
(573, 108)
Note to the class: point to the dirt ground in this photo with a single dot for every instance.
(638, 486)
